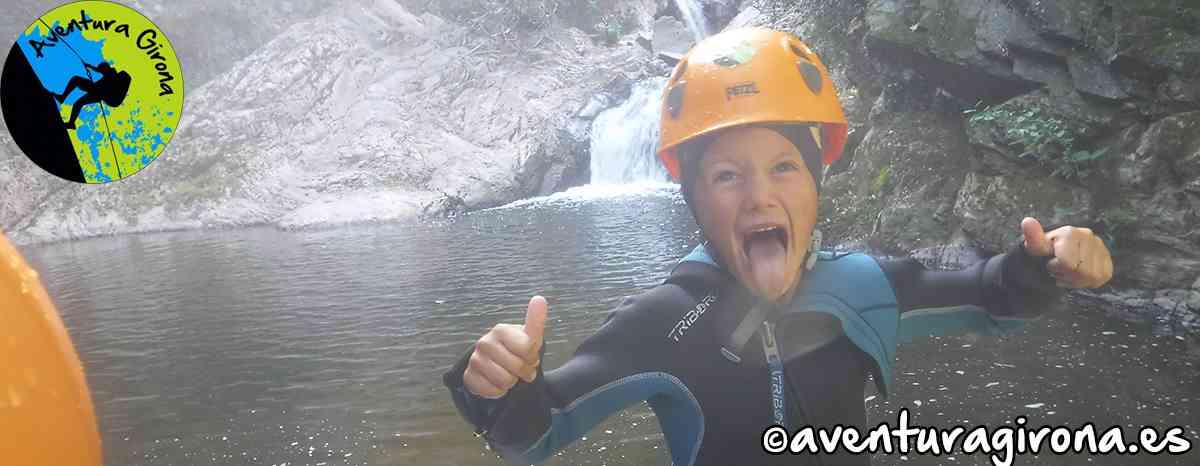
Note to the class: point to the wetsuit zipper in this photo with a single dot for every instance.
(778, 381)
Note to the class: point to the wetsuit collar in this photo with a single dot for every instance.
(701, 254)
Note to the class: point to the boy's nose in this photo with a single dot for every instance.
(758, 193)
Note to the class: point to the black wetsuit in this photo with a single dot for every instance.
(665, 346)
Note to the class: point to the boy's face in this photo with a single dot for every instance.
(757, 203)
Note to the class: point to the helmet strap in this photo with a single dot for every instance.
(813, 248)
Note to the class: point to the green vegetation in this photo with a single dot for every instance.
(881, 180)
(1048, 140)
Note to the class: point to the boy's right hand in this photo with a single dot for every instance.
(507, 353)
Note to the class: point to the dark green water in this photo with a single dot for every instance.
(326, 347)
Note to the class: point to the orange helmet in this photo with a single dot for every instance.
(747, 76)
(46, 415)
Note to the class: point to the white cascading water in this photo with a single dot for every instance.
(693, 16)
(625, 137)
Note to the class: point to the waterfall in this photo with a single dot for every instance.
(625, 138)
(693, 16)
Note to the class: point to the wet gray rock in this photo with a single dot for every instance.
(1137, 169)
(1171, 308)
(991, 207)
(1153, 37)
(1047, 71)
(1162, 248)
(1020, 35)
(1064, 19)
(1094, 78)
(902, 183)
(996, 22)
(1168, 151)
(1115, 75)
(749, 16)
(957, 46)
(671, 37)
(1180, 90)
(719, 12)
(1176, 139)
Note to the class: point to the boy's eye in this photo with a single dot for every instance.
(724, 176)
(785, 167)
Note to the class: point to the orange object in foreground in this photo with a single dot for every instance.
(46, 414)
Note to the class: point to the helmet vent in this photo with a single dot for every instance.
(679, 70)
(675, 99)
(812, 75)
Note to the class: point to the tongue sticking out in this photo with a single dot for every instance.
(768, 263)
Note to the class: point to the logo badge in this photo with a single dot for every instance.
(741, 89)
(92, 91)
(729, 55)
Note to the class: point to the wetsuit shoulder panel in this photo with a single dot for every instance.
(854, 289)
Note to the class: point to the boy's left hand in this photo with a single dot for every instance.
(1081, 260)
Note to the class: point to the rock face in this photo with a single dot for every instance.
(229, 31)
(671, 37)
(363, 113)
(719, 13)
(968, 115)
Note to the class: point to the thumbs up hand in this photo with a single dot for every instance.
(508, 353)
(1080, 258)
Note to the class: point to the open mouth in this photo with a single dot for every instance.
(765, 235)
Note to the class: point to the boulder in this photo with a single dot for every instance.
(1048, 71)
(671, 37)
(749, 16)
(902, 182)
(955, 45)
(1063, 19)
(1094, 78)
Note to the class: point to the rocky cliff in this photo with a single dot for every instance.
(365, 112)
(969, 114)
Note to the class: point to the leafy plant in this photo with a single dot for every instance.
(881, 179)
(1047, 140)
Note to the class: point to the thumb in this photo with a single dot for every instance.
(535, 321)
(1036, 242)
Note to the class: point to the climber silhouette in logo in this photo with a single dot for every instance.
(110, 89)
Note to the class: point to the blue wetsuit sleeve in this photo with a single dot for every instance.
(989, 297)
(534, 420)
